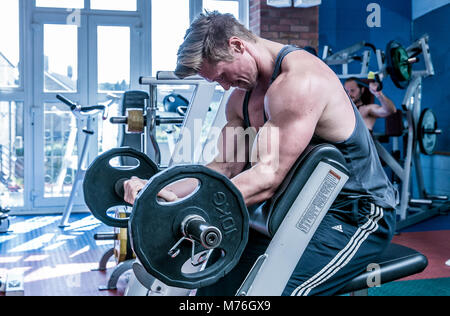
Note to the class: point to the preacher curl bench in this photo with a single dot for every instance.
(291, 218)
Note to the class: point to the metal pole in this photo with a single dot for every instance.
(151, 144)
(79, 176)
(10, 142)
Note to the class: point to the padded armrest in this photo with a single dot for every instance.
(395, 262)
(267, 217)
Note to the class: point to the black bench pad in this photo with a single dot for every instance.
(268, 216)
(396, 262)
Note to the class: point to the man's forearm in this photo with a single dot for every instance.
(183, 188)
(186, 186)
(256, 185)
(386, 103)
(228, 169)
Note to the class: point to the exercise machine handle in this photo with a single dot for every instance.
(92, 108)
(106, 236)
(66, 101)
(84, 109)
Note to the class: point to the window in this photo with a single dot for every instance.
(113, 58)
(60, 156)
(227, 6)
(74, 4)
(11, 154)
(60, 58)
(168, 29)
(169, 26)
(117, 5)
(9, 43)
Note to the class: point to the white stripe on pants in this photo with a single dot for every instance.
(345, 255)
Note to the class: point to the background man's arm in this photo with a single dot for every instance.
(387, 107)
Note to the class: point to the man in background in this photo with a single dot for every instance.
(363, 95)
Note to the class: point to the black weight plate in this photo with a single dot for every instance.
(426, 138)
(155, 226)
(101, 177)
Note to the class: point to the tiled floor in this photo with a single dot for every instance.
(57, 261)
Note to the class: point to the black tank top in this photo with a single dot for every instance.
(368, 181)
(285, 51)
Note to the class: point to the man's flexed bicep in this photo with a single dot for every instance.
(294, 133)
(293, 120)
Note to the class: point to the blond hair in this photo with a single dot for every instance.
(207, 39)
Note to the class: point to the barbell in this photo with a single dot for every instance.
(171, 240)
(136, 120)
(398, 66)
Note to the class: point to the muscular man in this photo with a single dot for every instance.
(361, 97)
(288, 90)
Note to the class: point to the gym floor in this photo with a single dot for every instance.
(56, 261)
(59, 262)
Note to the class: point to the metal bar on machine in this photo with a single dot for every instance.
(343, 54)
(219, 122)
(390, 161)
(197, 111)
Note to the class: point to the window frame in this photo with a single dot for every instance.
(25, 94)
(196, 7)
(12, 91)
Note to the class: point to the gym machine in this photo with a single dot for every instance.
(190, 118)
(122, 253)
(422, 129)
(349, 55)
(88, 114)
(214, 217)
(4, 220)
(418, 128)
(173, 242)
(141, 123)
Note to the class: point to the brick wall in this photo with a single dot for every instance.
(296, 26)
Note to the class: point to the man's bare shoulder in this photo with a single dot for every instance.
(297, 89)
(299, 62)
(308, 89)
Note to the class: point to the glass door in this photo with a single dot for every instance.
(12, 135)
(91, 56)
(116, 69)
(57, 64)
